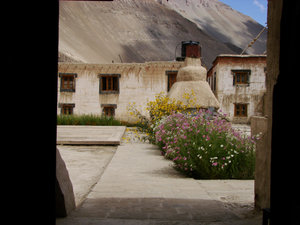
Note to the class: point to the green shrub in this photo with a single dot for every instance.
(206, 147)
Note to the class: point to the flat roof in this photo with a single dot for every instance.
(233, 56)
(240, 56)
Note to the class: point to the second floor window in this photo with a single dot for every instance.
(241, 76)
(109, 83)
(67, 82)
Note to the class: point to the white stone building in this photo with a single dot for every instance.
(238, 82)
(109, 88)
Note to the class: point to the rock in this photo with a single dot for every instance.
(65, 200)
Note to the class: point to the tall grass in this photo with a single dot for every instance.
(94, 120)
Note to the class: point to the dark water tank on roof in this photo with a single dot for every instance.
(190, 49)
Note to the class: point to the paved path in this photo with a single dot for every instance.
(85, 165)
(139, 186)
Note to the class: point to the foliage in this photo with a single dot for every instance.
(160, 107)
(87, 120)
(206, 146)
(202, 144)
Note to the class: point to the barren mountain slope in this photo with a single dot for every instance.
(221, 22)
(133, 31)
(128, 31)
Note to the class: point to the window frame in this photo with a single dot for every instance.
(241, 74)
(106, 107)
(69, 106)
(112, 80)
(171, 82)
(214, 80)
(63, 76)
(238, 110)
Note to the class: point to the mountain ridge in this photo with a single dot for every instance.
(219, 21)
(130, 31)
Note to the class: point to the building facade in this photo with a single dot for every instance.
(238, 82)
(108, 89)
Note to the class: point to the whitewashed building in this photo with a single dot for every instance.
(109, 88)
(238, 82)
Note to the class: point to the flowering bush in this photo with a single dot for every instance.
(162, 106)
(206, 146)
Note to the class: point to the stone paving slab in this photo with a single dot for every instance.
(139, 170)
(90, 135)
(85, 165)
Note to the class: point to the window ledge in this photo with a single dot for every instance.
(67, 90)
(109, 92)
(242, 85)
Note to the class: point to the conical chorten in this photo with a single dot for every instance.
(191, 80)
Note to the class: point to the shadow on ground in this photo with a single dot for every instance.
(158, 211)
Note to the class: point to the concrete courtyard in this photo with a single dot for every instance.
(133, 184)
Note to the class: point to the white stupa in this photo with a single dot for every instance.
(191, 78)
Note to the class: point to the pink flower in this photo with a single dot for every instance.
(214, 164)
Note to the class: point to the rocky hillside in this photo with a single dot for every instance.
(145, 30)
(221, 22)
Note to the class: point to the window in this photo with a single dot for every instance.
(109, 83)
(108, 110)
(67, 82)
(67, 109)
(241, 76)
(240, 110)
(172, 74)
(214, 82)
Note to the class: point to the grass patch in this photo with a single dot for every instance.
(92, 120)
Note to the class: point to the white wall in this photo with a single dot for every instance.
(139, 82)
(251, 94)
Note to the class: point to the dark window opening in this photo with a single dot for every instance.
(67, 109)
(67, 82)
(215, 82)
(108, 109)
(109, 83)
(172, 75)
(240, 110)
(241, 76)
